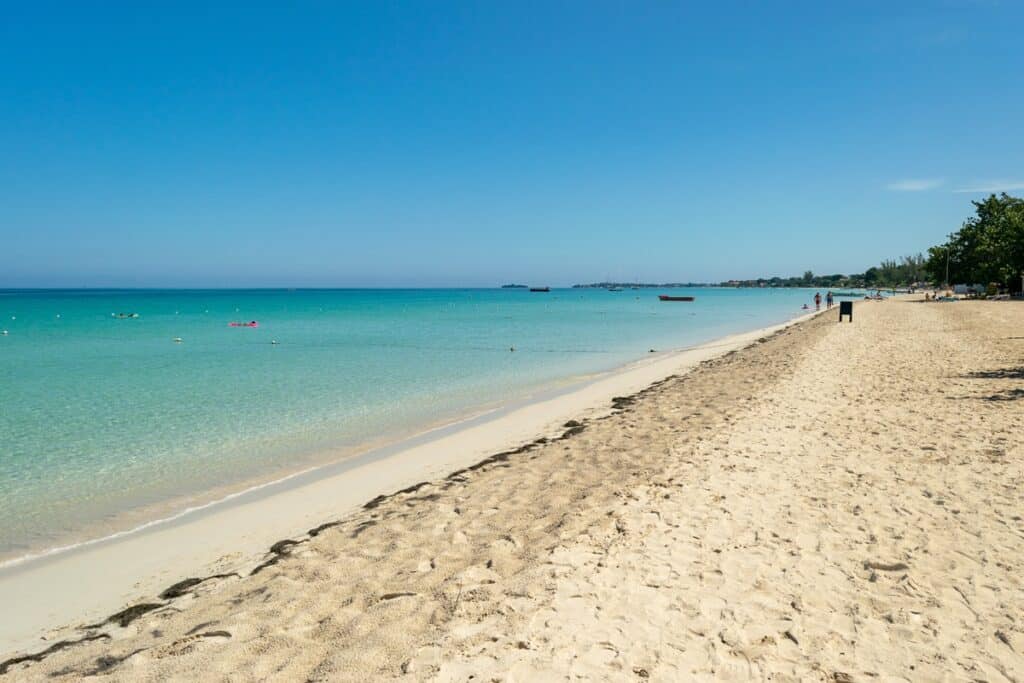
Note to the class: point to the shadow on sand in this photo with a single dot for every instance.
(1002, 373)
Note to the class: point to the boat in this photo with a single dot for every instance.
(540, 289)
(615, 289)
(122, 316)
(251, 323)
(666, 297)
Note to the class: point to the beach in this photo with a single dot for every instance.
(110, 424)
(818, 501)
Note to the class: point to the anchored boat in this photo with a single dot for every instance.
(666, 297)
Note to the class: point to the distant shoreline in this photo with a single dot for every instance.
(745, 284)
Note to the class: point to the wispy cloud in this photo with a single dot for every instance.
(914, 184)
(990, 186)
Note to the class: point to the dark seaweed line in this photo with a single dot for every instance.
(56, 647)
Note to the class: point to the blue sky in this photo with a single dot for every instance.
(421, 144)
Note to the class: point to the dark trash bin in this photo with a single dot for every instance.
(845, 308)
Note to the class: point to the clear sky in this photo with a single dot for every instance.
(419, 144)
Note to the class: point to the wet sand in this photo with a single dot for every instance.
(835, 502)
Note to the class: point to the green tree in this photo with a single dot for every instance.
(912, 268)
(989, 247)
(888, 272)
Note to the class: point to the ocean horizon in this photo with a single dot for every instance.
(123, 405)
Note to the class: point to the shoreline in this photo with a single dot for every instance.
(129, 521)
(89, 579)
(136, 510)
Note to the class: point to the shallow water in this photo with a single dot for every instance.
(101, 416)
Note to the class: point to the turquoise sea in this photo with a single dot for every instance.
(104, 420)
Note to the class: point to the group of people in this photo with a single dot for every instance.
(829, 300)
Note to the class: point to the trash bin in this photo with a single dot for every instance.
(845, 308)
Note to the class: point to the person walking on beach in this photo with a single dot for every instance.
(817, 301)
(828, 299)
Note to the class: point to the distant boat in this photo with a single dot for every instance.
(615, 289)
(540, 289)
(666, 297)
(122, 316)
(251, 323)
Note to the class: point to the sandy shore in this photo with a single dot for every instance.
(88, 582)
(835, 502)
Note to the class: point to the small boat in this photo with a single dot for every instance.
(540, 289)
(615, 289)
(251, 323)
(666, 297)
(122, 316)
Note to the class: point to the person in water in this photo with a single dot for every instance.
(828, 299)
(817, 301)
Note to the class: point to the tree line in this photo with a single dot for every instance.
(889, 273)
(988, 250)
